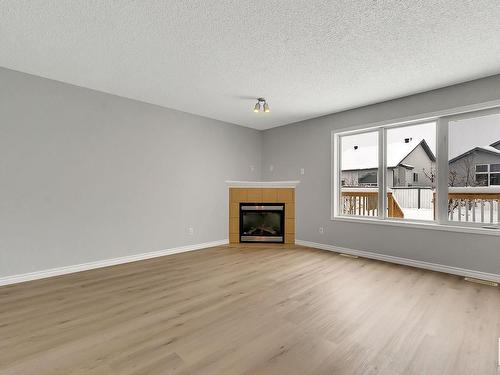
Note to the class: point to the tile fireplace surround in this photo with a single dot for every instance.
(261, 192)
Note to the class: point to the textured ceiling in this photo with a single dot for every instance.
(213, 58)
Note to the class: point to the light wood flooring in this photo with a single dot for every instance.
(250, 310)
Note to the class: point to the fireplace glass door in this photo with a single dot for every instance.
(262, 222)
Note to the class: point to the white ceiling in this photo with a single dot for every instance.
(213, 58)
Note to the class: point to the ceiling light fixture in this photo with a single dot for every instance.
(261, 106)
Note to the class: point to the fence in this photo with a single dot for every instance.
(413, 197)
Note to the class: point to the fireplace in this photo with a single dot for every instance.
(262, 222)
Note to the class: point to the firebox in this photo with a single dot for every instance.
(262, 222)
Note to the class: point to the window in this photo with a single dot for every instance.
(473, 158)
(494, 168)
(411, 153)
(494, 174)
(445, 170)
(367, 178)
(481, 178)
(487, 175)
(480, 168)
(494, 179)
(358, 173)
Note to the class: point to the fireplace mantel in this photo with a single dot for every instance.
(262, 184)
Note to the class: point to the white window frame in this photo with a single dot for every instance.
(487, 173)
(490, 173)
(441, 221)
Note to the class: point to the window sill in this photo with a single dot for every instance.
(420, 225)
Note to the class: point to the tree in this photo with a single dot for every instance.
(462, 172)
(431, 175)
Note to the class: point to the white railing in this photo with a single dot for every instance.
(465, 204)
(474, 204)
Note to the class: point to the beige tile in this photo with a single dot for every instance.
(234, 210)
(238, 195)
(289, 238)
(285, 195)
(269, 195)
(254, 195)
(234, 238)
(234, 225)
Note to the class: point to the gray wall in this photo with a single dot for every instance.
(86, 176)
(307, 145)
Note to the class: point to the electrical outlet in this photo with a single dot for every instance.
(191, 231)
(252, 168)
(271, 168)
(321, 230)
(302, 171)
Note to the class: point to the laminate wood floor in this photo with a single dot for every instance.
(250, 310)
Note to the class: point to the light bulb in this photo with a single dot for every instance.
(266, 107)
(257, 107)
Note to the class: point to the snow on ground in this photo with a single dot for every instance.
(428, 214)
(418, 213)
(486, 214)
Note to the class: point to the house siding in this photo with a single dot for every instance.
(419, 159)
(399, 176)
(462, 170)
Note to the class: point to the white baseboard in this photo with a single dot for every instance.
(404, 261)
(105, 263)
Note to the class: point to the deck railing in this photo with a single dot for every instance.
(465, 204)
(364, 202)
(474, 204)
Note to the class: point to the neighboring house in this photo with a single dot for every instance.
(409, 163)
(479, 166)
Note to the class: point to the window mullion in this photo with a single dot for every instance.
(337, 177)
(441, 194)
(382, 175)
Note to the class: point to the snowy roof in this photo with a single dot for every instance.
(489, 149)
(366, 157)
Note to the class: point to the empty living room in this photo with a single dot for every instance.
(250, 187)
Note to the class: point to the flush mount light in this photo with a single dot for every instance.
(261, 106)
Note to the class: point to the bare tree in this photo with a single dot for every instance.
(452, 177)
(462, 172)
(348, 180)
(468, 169)
(431, 175)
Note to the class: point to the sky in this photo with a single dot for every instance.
(366, 156)
(416, 132)
(470, 133)
(463, 136)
